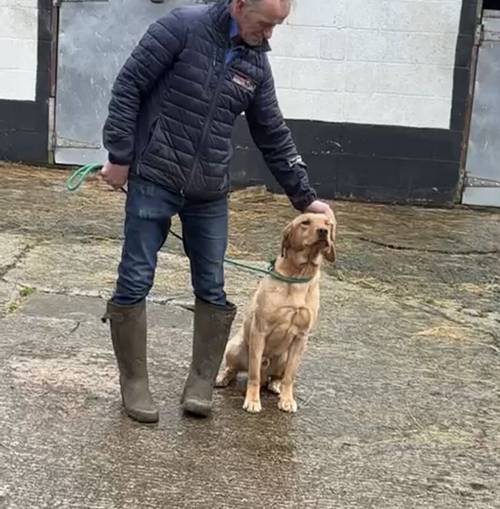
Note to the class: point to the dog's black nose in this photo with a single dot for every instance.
(322, 233)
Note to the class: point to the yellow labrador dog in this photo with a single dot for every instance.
(282, 313)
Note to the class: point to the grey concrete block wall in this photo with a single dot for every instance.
(378, 62)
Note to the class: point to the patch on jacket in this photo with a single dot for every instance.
(297, 160)
(244, 81)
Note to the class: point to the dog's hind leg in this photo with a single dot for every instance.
(274, 385)
(225, 377)
(276, 372)
(235, 360)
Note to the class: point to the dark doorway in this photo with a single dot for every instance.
(492, 5)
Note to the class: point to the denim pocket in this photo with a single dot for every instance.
(150, 201)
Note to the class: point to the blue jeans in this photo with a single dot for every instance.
(149, 209)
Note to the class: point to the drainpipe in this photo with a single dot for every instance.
(470, 101)
(54, 30)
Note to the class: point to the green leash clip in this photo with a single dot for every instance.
(77, 178)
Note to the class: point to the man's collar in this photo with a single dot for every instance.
(234, 33)
(234, 29)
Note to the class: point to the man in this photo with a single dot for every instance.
(168, 133)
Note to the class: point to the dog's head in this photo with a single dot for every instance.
(311, 234)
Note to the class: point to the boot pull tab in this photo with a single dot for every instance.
(115, 317)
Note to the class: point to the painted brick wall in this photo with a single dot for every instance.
(385, 62)
(25, 48)
(18, 49)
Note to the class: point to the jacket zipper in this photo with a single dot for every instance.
(211, 68)
(151, 133)
(208, 121)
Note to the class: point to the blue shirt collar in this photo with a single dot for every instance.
(234, 30)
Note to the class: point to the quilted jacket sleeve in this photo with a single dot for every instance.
(154, 54)
(273, 138)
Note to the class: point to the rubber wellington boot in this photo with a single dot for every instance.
(128, 333)
(212, 325)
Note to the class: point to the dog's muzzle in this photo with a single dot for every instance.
(322, 234)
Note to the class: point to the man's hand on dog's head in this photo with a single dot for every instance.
(320, 207)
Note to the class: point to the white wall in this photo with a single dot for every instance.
(18, 49)
(387, 62)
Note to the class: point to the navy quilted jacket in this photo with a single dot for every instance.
(175, 101)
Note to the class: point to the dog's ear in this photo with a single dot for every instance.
(286, 238)
(329, 253)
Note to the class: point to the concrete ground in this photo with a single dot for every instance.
(399, 391)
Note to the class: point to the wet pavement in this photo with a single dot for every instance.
(399, 391)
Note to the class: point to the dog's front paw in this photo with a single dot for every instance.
(287, 405)
(252, 406)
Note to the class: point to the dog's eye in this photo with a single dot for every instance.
(306, 222)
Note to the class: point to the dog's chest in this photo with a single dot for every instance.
(302, 319)
(288, 324)
(287, 312)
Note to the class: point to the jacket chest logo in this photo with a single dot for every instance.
(244, 81)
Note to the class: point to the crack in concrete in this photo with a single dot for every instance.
(435, 311)
(426, 250)
(161, 301)
(17, 259)
(75, 328)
